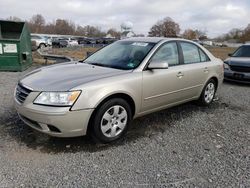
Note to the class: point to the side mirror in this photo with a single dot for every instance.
(230, 54)
(158, 65)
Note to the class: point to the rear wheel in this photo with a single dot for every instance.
(208, 93)
(111, 120)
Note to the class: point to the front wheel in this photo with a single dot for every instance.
(42, 46)
(208, 93)
(111, 120)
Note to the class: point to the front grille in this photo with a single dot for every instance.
(240, 68)
(21, 93)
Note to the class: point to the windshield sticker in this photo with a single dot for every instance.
(132, 65)
(143, 44)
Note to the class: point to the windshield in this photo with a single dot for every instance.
(243, 51)
(124, 55)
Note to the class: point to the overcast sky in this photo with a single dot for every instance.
(214, 16)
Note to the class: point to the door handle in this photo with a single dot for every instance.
(180, 74)
(206, 70)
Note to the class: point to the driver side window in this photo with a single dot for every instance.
(169, 53)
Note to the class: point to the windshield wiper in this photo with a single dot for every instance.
(103, 65)
(97, 64)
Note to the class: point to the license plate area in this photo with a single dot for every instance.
(239, 76)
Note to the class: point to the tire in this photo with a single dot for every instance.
(42, 45)
(110, 121)
(208, 93)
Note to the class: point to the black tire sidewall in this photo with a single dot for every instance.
(96, 120)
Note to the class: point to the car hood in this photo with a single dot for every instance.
(238, 61)
(63, 77)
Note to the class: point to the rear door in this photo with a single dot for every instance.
(195, 69)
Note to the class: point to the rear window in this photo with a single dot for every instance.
(192, 53)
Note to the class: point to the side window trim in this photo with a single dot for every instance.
(181, 56)
(165, 43)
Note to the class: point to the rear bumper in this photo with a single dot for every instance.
(241, 77)
(55, 121)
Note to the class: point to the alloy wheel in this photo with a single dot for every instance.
(209, 92)
(114, 121)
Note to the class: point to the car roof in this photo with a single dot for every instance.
(153, 39)
(145, 39)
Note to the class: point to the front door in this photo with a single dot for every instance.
(161, 86)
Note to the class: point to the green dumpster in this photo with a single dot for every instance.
(15, 46)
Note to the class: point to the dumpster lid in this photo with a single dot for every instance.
(11, 30)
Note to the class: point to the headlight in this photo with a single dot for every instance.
(226, 66)
(57, 98)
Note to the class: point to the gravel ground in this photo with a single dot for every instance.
(185, 146)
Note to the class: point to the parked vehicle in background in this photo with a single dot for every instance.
(109, 40)
(59, 43)
(49, 40)
(40, 41)
(72, 42)
(87, 41)
(208, 43)
(82, 41)
(237, 66)
(198, 41)
(122, 81)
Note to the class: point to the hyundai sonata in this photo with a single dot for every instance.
(122, 81)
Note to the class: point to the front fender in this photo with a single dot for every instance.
(95, 92)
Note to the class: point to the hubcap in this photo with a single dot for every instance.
(209, 92)
(114, 121)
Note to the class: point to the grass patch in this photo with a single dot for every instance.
(79, 53)
(221, 52)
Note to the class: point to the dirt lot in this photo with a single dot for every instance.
(80, 52)
(185, 146)
(221, 52)
(73, 52)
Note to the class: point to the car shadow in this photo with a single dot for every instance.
(147, 126)
(235, 83)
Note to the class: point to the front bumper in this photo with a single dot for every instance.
(241, 77)
(54, 121)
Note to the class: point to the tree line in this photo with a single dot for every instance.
(237, 35)
(163, 28)
(38, 24)
(166, 27)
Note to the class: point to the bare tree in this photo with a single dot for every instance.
(79, 30)
(245, 36)
(201, 34)
(91, 31)
(36, 23)
(165, 28)
(64, 27)
(114, 33)
(189, 34)
(49, 28)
